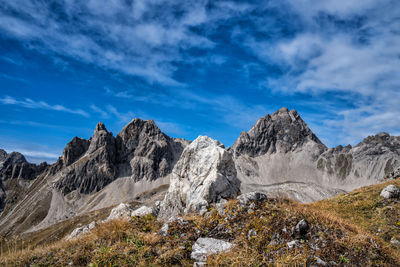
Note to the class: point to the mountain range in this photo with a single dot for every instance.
(279, 156)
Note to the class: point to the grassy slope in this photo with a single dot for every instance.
(343, 229)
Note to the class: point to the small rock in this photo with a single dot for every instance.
(320, 262)
(164, 229)
(302, 227)
(273, 243)
(92, 225)
(244, 199)
(221, 207)
(142, 211)
(121, 211)
(395, 241)
(294, 243)
(251, 234)
(182, 222)
(208, 246)
(81, 230)
(156, 207)
(390, 191)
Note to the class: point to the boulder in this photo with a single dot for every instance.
(121, 211)
(390, 191)
(142, 211)
(82, 230)
(293, 244)
(245, 199)
(208, 246)
(204, 174)
(302, 227)
(164, 229)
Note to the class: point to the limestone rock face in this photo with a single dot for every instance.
(2, 196)
(74, 150)
(15, 166)
(204, 174)
(144, 152)
(97, 169)
(3, 155)
(373, 159)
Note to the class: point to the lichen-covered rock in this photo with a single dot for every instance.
(204, 174)
(121, 211)
(81, 230)
(246, 198)
(208, 246)
(390, 191)
(142, 211)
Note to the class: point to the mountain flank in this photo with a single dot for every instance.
(279, 156)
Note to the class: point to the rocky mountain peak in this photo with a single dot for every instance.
(145, 152)
(14, 158)
(100, 127)
(382, 138)
(3, 155)
(283, 131)
(102, 138)
(74, 150)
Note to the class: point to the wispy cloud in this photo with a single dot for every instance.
(32, 104)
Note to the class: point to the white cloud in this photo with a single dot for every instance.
(29, 103)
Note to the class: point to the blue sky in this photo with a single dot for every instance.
(195, 67)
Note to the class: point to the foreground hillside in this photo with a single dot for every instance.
(353, 229)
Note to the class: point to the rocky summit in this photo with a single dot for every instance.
(141, 172)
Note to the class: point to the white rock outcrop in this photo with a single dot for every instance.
(81, 230)
(204, 174)
(208, 246)
(142, 211)
(390, 191)
(121, 211)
